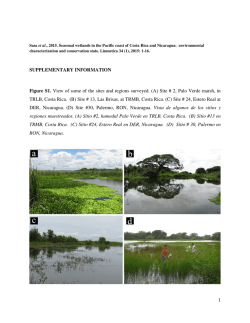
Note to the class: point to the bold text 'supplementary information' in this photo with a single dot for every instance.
(62, 109)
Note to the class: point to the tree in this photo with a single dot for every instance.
(35, 235)
(159, 234)
(183, 235)
(200, 171)
(153, 165)
(213, 169)
(216, 236)
(51, 236)
(102, 240)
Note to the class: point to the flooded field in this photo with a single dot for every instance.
(76, 265)
(143, 263)
(174, 196)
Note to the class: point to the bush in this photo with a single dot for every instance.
(107, 242)
(200, 171)
(88, 242)
(213, 169)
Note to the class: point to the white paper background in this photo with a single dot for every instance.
(223, 63)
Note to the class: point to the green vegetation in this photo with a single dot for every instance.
(144, 264)
(168, 167)
(34, 185)
(162, 235)
(58, 193)
(50, 239)
(152, 166)
(216, 200)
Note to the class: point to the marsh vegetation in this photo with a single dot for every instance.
(143, 263)
(65, 192)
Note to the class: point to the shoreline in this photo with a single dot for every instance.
(79, 244)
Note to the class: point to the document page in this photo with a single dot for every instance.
(128, 121)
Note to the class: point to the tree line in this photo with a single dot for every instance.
(160, 164)
(159, 234)
(49, 236)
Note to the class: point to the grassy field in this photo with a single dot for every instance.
(56, 192)
(144, 264)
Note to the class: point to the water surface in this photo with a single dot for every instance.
(80, 265)
(114, 185)
(175, 196)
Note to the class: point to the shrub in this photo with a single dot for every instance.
(88, 242)
(213, 169)
(200, 171)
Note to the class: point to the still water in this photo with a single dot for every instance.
(175, 196)
(114, 185)
(77, 265)
(159, 278)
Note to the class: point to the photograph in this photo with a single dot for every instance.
(75, 250)
(76, 181)
(159, 251)
(178, 182)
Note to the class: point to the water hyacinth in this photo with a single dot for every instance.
(60, 194)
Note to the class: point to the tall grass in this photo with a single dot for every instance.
(143, 264)
(34, 185)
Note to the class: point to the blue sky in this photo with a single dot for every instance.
(75, 159)
(83, 227)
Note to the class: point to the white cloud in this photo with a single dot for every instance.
(62, 160)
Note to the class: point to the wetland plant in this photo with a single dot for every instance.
(143, 264)
(62, 195)
(34, 185)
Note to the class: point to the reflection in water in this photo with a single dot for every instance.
(200, 181)
(157, 277)
(171, 196)
(103, 248)
(82, 265)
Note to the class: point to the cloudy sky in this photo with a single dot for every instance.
(191, 159)
(83, 227)
(75, 159)
(201, 224)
